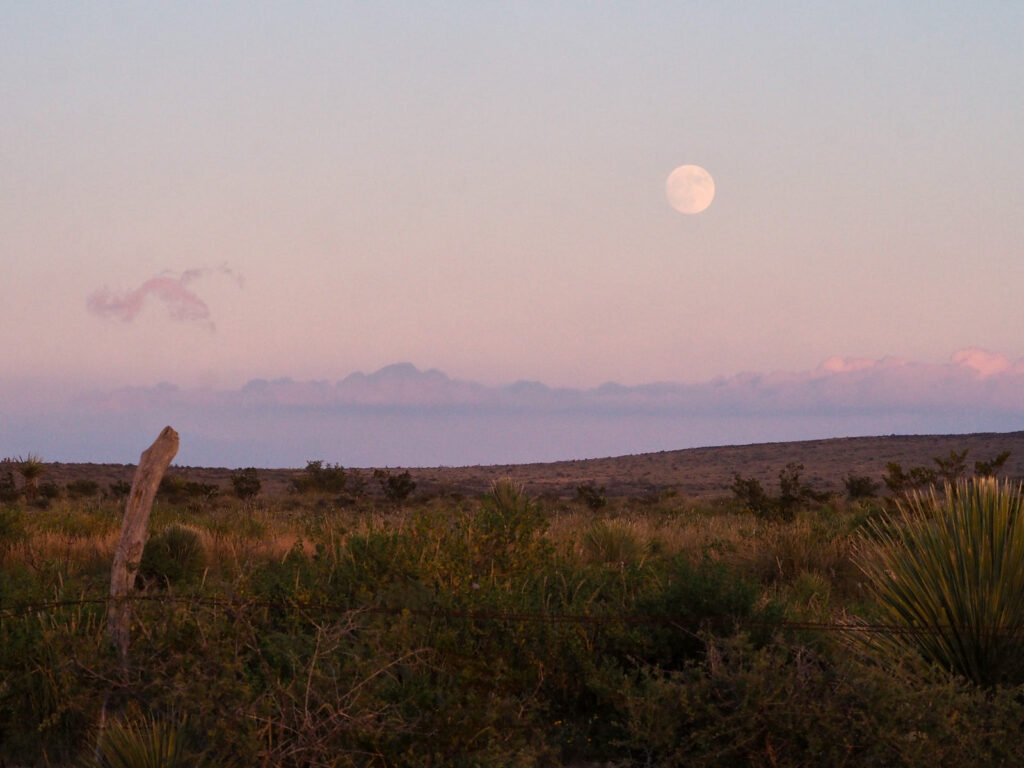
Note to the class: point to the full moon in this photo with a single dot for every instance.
(690, 189)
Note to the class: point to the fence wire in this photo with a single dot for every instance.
(682, 622)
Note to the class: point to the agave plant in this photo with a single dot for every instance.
(947, 570)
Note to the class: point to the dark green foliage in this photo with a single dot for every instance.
(12, 530)
(396, 488)
(8, 488)
(593, 498)
(900, 482)
(48, 491)
(78, 489)
(175, 489)
(785, 705)
(120, 488)
(707, 596)
(953, 467)
(612, 543)
(172, 556)
(793, 494)
(992, 467)
(321, 477)
(751, 495)
(246, 483)
(469, 633)
(860, 487)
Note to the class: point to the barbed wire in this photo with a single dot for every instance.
(680, 621)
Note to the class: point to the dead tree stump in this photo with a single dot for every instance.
(134, 530)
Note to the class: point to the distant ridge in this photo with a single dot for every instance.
(693, 472)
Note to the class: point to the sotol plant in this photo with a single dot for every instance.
(949, 569)
(147, 743)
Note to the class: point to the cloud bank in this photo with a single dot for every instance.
(182, 304)
(401, 415)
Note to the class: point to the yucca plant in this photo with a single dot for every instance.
(145, 743)
(613, 543)
(947, 570)
(31, 469)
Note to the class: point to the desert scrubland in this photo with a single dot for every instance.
(722, 606)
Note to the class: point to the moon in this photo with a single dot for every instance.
(690, 189)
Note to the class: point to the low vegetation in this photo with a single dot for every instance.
(352, 623)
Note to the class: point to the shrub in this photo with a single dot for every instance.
(78, 489)
(396, 488)
(785, 705)
(593, 497)
(751, 495)
(860, 487)
(793, 493)
(992, 467)
(950, 570)
(952, 468)
(174, 555)
(612, 542)
(120, 488)
(8, 489)
(318, 476)
(246, 483)
(48, 491)
(12, 528)
(900, 482)
(175, 489)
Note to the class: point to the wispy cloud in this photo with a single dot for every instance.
(182, 303)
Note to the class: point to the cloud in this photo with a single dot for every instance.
(401, 415)
(183, 304)
(985, 363)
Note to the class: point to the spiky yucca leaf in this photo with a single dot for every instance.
(949, 570)
(146, 743)
(614, 543)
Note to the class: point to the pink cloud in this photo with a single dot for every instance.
(182, 304)
(983, 362)
(836, 364)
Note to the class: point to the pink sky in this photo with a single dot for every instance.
(482, 191)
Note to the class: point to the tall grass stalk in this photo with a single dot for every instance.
(949, 567)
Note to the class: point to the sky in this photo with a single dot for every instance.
(200, 195)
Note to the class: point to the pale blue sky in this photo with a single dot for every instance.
(479, 187)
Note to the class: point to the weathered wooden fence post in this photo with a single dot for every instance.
(134, 529)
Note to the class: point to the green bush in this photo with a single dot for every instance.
(786, 706)
(751, 495)
(612, 542)
(8, 488)
(321, 477)
(860, 487)
(172, 556)
(78, 489)
(12, 528)
(120, 488)
(593, 498)
(396, 488)
(246, 483)
(949, 571)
